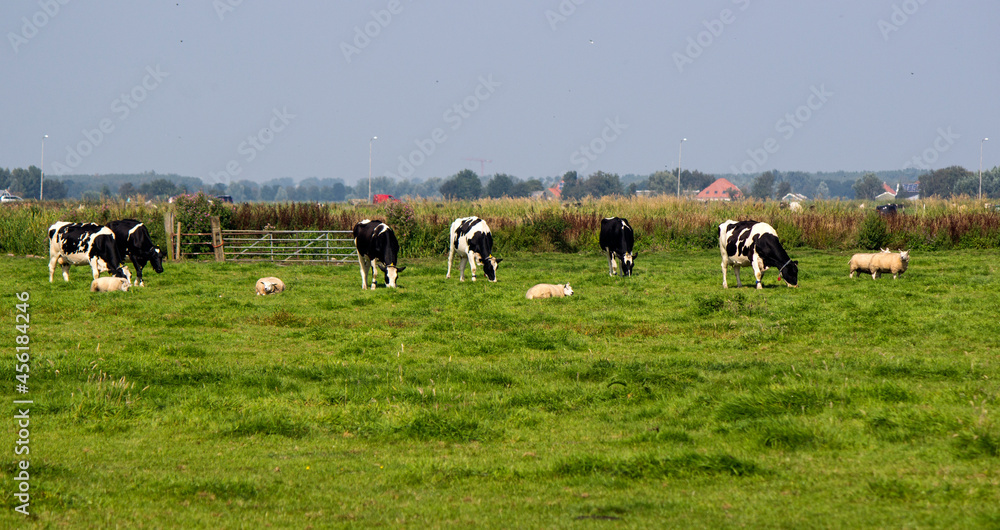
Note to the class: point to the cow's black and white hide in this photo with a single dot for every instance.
(377, 246)
(473, 240)
(616, 241)
(84, 244)
(754, 244)
(132, 240)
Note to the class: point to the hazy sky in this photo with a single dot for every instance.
(254, 89)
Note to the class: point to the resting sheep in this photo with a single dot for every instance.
(269, 285)
(109, 284)
(876, 264)
(547, 290)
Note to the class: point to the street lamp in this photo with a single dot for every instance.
(41, 175)
(370, 167)
(679, 146)
(981, 167)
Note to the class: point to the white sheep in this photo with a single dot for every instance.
(548, 290)
(107, 284)
(269, 285)
(862, 262)
(894, 263)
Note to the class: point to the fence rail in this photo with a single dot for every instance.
(289, 246)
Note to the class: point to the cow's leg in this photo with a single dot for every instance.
(461, 267)
(725, 285)
(736, 271)
(372, 263)
(52, 267)
(472, 264)
(451, 256)
(362, 266)
(611, 263)
(65, 269)
(758, 271)
(138, 271)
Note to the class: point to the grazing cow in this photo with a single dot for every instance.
(547, 290)
(269, 285)
(84, 244)
(616, 241)
(132, 240)
(473, 239)
(109, 284)
(377, 245)
(754, 244)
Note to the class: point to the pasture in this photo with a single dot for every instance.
(659, 400)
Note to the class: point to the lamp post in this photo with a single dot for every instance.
(370, 167)
(981, 167)
(679, 146)
(41, 174)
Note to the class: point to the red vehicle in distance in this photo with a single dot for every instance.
(383, 197)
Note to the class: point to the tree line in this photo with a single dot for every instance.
(466, 184)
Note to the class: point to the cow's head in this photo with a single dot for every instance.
(155, 258)
(490, 265)
(391, 273)
(789, 273)
(628, 260)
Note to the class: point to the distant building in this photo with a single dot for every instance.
(909, 191)
(794, 197)
(719, 191)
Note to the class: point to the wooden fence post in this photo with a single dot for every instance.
(217, 243)
(178, 254)
(168, 227)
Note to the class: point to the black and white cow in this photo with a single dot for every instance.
(754, 244)
(377, 245)
(84, 244)
(472, 237)
(132, 240)
(616, 241)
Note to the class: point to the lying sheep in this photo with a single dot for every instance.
(109, 284)
(862, 262)
(884, 262)
(269, 285)
(547, 290)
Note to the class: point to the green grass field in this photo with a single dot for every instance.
(661, 400)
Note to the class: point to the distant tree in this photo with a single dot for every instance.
(941, 183)
(784, 188)
(695, 180)
(525, 188)
(159, 188)
(571, 186)
(464, 185)
(54, 190)
(867, 187)
(26, 182)
(282, 194)
(662, 182)
(763, 186)
(733, 193)
(602, 184)
(822, 190)
(4, 178)
(105, 191)
(126, 190)
(500, 185)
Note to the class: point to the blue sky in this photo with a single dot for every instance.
(230, 89)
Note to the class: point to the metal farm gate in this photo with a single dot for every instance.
(288, 246)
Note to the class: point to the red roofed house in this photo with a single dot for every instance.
(717, 191)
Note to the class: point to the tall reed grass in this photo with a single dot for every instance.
(526, 225)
